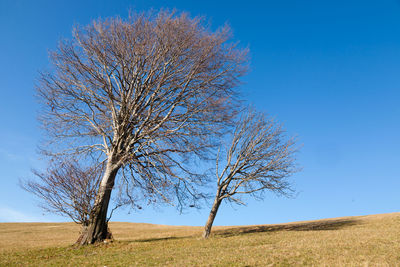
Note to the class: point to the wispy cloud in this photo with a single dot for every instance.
(8, 214)
(9, 155)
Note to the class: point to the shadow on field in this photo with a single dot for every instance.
(308, 226)
(157, 239)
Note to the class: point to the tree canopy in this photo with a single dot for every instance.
(146, 96)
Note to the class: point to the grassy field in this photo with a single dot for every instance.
(351, 241)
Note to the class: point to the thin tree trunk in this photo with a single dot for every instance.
(211, 217)
(82, 234)
(98, 230)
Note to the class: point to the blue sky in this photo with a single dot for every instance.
(328, 70)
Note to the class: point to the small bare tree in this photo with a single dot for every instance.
(69, 189)
(66, 188)
(258, 159)
(146, 96)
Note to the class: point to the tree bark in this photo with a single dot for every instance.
(97, 230)
(82, 234)
(211, 217)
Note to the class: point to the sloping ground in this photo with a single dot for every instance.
(350, 241)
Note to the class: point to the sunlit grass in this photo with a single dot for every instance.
(351, 241)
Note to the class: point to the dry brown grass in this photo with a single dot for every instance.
(350, 241)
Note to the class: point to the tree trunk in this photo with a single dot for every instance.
(211, 217)
(82, 234)
(98, 230)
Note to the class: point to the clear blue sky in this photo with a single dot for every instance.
(329, 70)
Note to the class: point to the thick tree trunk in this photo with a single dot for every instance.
(211, 217)
(97, 230)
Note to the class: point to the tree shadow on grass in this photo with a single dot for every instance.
(306, 226)
(158, 239)
(323, 225)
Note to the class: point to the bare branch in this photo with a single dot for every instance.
(258, 159)
(152, 92)
(67, 188)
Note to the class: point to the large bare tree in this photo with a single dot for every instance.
(259, 158)
(145, 95)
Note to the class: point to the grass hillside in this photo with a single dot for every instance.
(350, 241)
